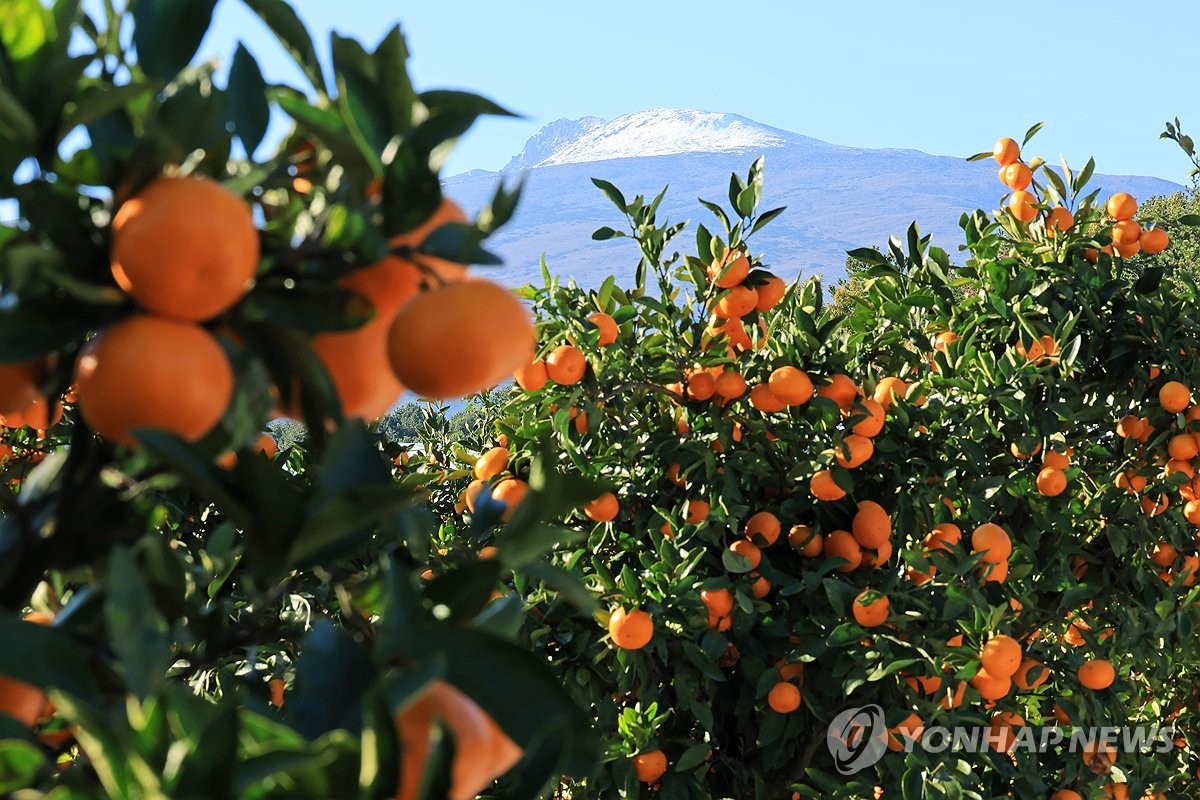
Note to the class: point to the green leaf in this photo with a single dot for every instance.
(248, 106)
(167, 35)
(197, 469)
(46, 657)
(97, 100)
(613, 194)
(391, 61)
(1029, 134)
(604, 233)
(465, 590)
(359, 99)
(1189, 219)
(16, 123)
(332, 673)
(20, 762)
(287, 27)
(136, 631)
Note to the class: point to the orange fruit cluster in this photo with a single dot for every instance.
(492, 474)
(740, 292)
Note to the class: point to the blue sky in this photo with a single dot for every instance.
(942, 76)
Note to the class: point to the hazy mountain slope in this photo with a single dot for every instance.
(838, 198)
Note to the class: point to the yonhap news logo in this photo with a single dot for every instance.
(857, 738)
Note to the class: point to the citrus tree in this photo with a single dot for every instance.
(966, 496)
(187, 609)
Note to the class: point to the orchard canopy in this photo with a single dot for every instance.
(723, 536)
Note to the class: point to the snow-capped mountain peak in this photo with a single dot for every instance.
(659, 132)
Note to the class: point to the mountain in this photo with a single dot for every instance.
(838, 198)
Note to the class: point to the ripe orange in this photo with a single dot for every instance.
(875, 416)
(510, 491)
(184, 247)
(1057, 460)
(1174, 397)
(19, 386)
(1016, 175)
(603, 509)
(729, 269)
(842, 544)
(1066, 794)
(770, 293)
(784, 698)
(761, 586)
(747, 549)
(566, 365)
(696, 511)
(730, 384)
(871, 608)
(491, 463)
(890, 389)
(1002, 736)
(989, 686)
(531, 376)
(1183, 446)
(459, 339)
(1164, 553)
(1006, 151)
(701, 385)
(1099, 757)
(1030, 674)
(943, 340)
(718, 601)
(153, 372)
(1059, 219)
(763, 528)
(993, 541)
(1051, 482)
(1125, 231)
(1001, 656)
(1023, 206)
(762, 398)
(650, 766)
(608, 328)
(854, 451)
(1153, 241)
(1097, 674)
(266, 445)
(791, 386)
(1121, 206)
(804, 539)
(841, 389)
(630, 630)
(871, 526)
(1127, 250)
(482, 751)
(823, 486)
(433, 271)
(737, 302)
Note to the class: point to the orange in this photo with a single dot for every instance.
(1129, 426)
(784, 698)
(842, 544)
(997, 572)
(1183, 446)
(531, 376)
(603, 509)
(805, 540)
(1001, 656)
(729, 269)
(432, 270)
(943, 340)
(696, 512)
(1023, 206)
(841, 389)
(631, 630)
(650, 766)
(1174, 397)
(737, 302)
(1059, 219)
(491, 463)
(1096, 674)
(1030, 674)
(1051, 482)
(1153, 241)
(943, 536)
(763, 528)
(1057, 460)
(730, 384)
(871, 608)
(1099, 757)
(1001, 736)
(460, 338)
(566, 365)
(471, 492)
(184, 247)
(1006, 151)
(1125, 231)
(791, 386)
(770, 293)
(1016, 175)
(701, 385)
(1066, 794)
(1127, 250)
(890, 389)
(871, 525)
(153, 372)
(483, 752)
(18, 386)
(1121, 206)
(608, 328)
(762, 398)
(761, 586)
(510, 491)
(718, 601)
(854, 451)
(824, 487)
(989, 686)
(266, 445)
(993, 541)
(749, 550)
(875, 416)
(1164, 553)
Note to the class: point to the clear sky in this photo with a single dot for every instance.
(942, 76)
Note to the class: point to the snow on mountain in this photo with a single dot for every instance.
(660, 132)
